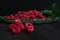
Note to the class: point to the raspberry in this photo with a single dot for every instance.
(32, 16)
(22, 26)
(15, 29)
(29, 27)
(17, 16)
(17, 21)
(42, 16)
(30, 12)
(36, 13)
(25, 16)
(7, 17)
(12, 16)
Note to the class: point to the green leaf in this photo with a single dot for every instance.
(47, 11)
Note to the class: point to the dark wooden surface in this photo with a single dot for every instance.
(42, 32)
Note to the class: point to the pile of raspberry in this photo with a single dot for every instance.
(24, 15)
(18, 26)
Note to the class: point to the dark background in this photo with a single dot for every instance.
(42, 31)
(11, 6)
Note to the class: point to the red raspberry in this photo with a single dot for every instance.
(32, 16)
(25, 16)
(41, 16)
(15, 29)
(36, 13)
(17, 21)
(17, 16)
(20, 15)
(12, 16)
(22, 26)
(7, 17)
(29, 27)
(30, 12)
